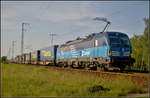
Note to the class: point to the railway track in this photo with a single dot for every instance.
(142, 79)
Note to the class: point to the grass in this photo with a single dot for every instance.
(27, 80)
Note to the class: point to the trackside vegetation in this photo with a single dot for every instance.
(141, 51)
(27, 80)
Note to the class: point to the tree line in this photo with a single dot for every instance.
(140, 49)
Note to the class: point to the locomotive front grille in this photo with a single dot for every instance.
(120, 60)
(115, 53)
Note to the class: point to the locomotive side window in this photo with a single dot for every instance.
(119, 40)
(102, 41)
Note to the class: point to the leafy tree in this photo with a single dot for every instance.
(140, 46)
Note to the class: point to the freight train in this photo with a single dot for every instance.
(101, 51)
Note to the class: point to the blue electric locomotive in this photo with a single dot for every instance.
(99, 50)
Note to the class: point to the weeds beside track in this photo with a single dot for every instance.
(141, 79)
(28, 80)
(138, 78)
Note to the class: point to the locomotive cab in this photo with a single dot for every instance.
(119, 50)
(119, 45)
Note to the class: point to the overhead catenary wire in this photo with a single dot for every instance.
(109, 15)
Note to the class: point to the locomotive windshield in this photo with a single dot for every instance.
(119, 40)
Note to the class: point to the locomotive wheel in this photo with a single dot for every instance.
(93, 68)
(86, 66)
(69, 66)
(106, 67)
(65, 65)
(122, 68)
(103, 67)
(100, 68)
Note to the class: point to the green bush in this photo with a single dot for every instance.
(140, 46)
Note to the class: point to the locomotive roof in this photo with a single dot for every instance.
(89, 37)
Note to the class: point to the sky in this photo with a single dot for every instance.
(67, 19)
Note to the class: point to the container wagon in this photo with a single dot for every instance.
(48, 55)
(35, 57)
(27, 57)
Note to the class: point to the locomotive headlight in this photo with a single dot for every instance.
(108, 52)
(113, 53)
(126, 53)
